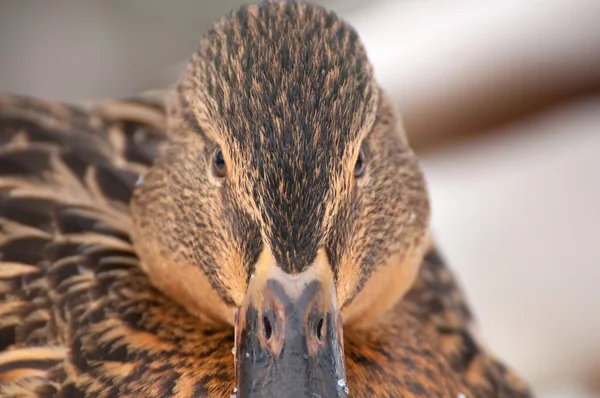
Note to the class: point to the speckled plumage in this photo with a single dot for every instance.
(100, 297)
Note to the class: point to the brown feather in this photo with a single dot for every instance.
(102, 298)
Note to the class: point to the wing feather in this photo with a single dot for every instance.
(438, 301)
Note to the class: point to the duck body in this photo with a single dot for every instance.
(86, 304)
(79, 318)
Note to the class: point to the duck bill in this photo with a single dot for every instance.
(289, 334)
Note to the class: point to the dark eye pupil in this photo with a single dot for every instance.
(219, 163)
(359, 167)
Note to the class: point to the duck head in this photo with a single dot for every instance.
(288, 203)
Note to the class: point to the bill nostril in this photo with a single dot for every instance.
(267, 327)
(320, 329)
(269, 330)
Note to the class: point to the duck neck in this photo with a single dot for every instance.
(386, 287)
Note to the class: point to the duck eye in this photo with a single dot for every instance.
(359, 167)
(218, 163)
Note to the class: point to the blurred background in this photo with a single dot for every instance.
(501, 100)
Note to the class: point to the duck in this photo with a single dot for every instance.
(260, 230)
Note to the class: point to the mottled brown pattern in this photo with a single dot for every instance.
(100, 297)
(76, 271)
